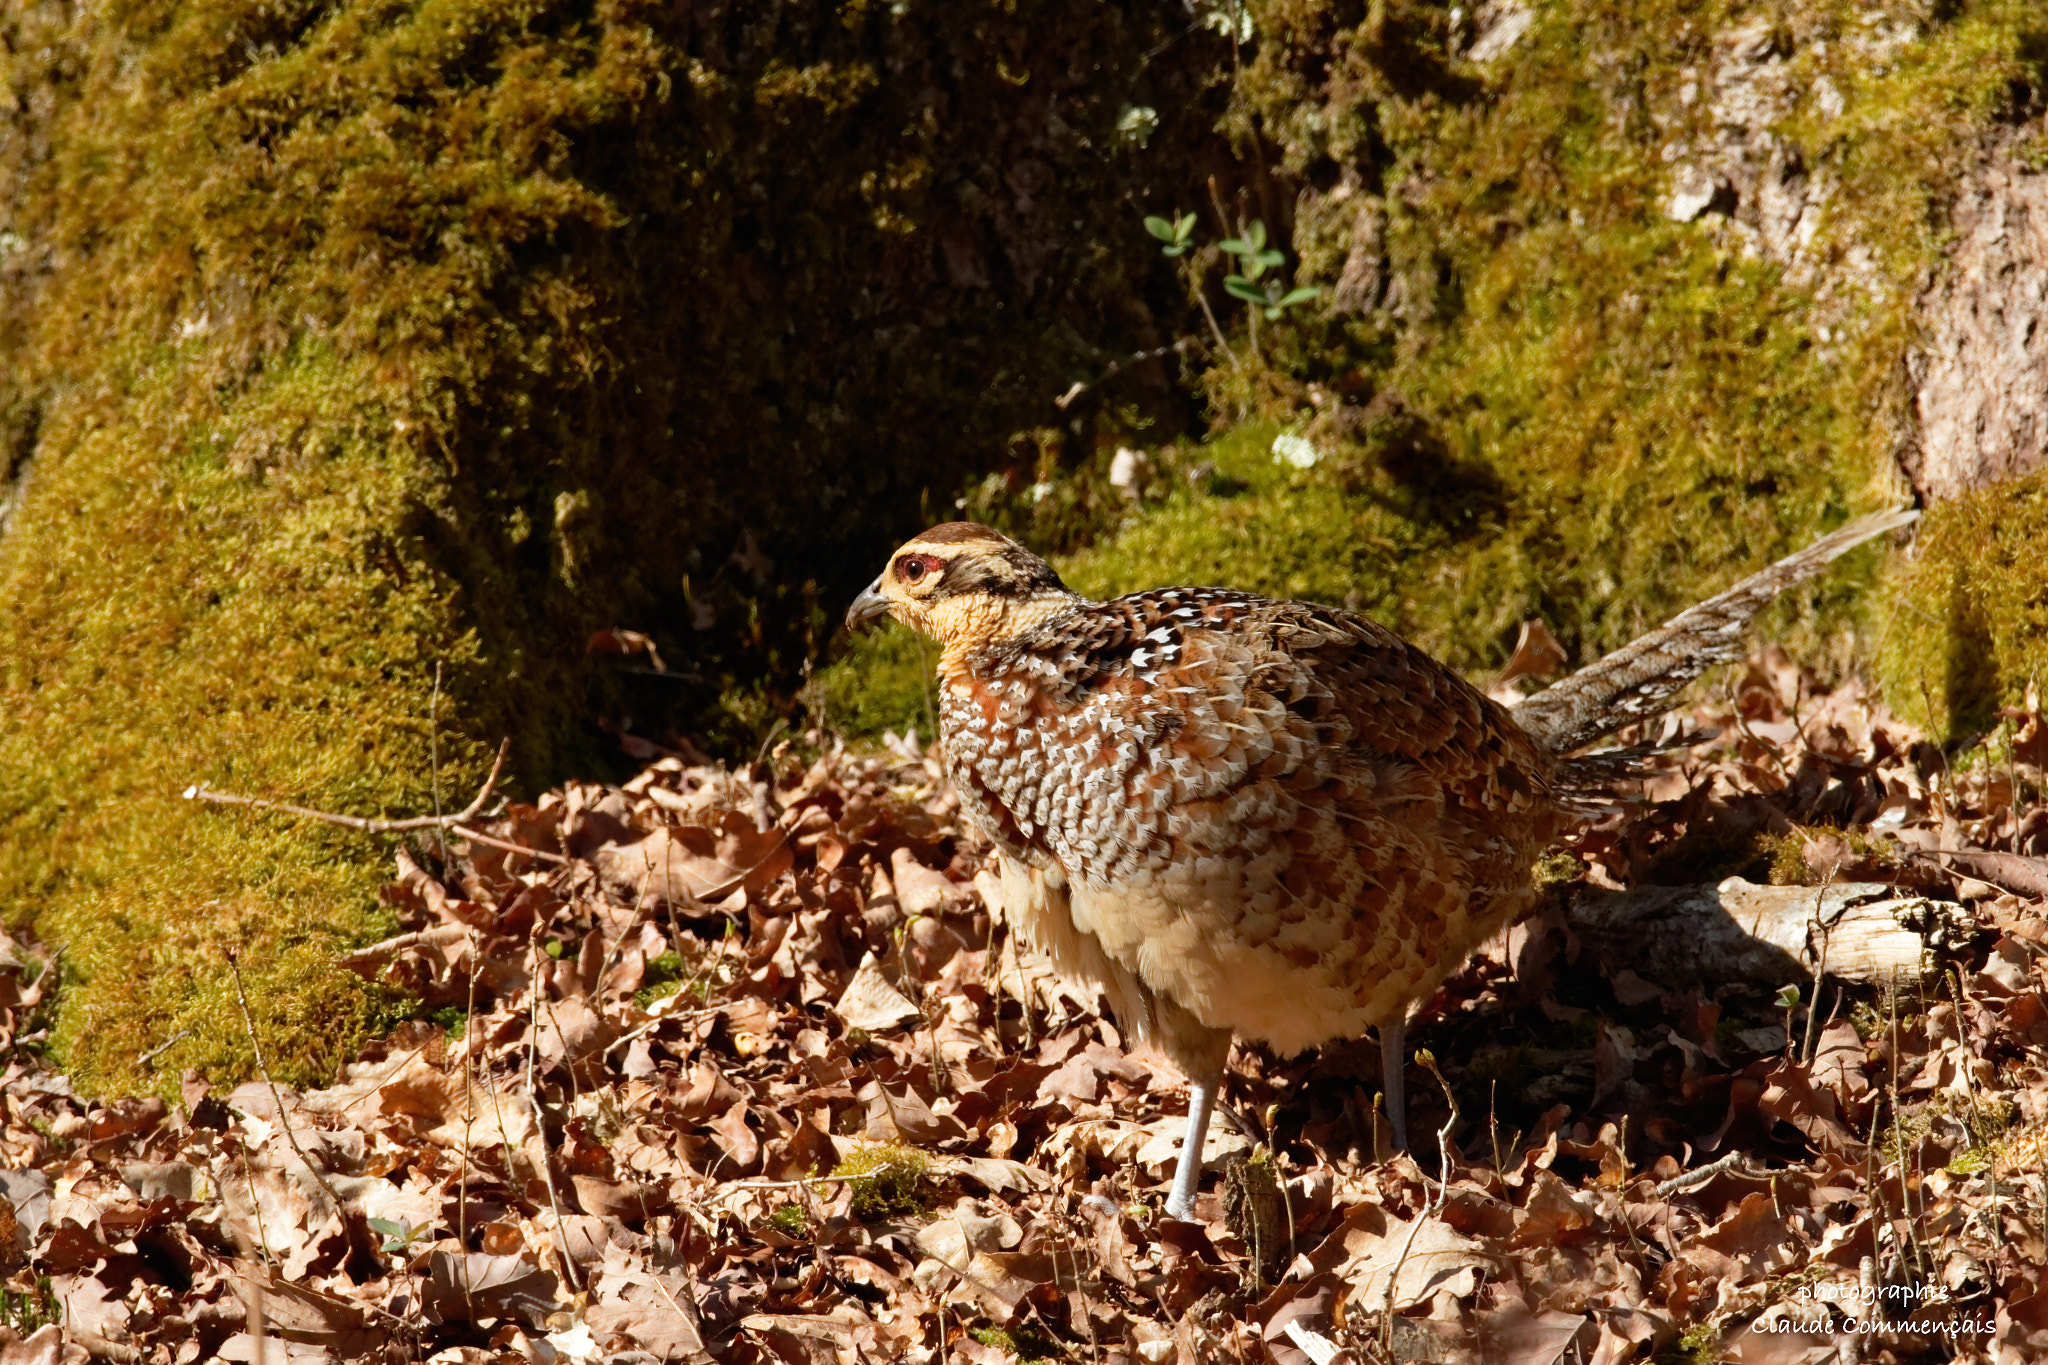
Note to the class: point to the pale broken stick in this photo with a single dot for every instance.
(456, 822)
(1737, 931)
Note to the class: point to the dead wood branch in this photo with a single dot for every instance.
(1739, 931)
(202, 792)
(457, 823)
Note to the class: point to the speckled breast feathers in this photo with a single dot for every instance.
(1267, 818)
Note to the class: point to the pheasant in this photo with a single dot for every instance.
(1247, 818)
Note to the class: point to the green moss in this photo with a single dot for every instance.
(888, 1180)
(1567, 403)
(1549, 398)
(1023, 1343)
(1248, 520)
(348, 338)
(1562, 402)
(1699, 1344)
(274, 637)
(1557, 869)
(1787, 853)
(1968, 613)
(663, 979)
(792, 1220)
(882, 682)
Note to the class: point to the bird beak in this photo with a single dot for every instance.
(867, 606)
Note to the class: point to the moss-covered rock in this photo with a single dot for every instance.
(345, 339)
(1614, 311)
(1617, 303)
(1966, 621)
(348, 338)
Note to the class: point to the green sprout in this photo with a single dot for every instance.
(1273, 297)
(1178, 233)
(400, 1237)
(30, 1309)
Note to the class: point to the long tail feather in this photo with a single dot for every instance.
(1640, 679)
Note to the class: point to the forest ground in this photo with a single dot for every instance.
(736, 1064)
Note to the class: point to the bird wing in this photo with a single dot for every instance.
(1272, 813)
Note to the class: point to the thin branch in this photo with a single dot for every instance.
(1215, 329)
(385, 949)
(165, 1046)
(1431, 1208)
(262, 1067)
(1734, 1161)
(1116, 367)
(434, 747)
(457, 823)
(805, 1183)
(1820, 969)
(202, 792)
(540, 1122)
(478, 837)
(1216, 202)
(468, 1122)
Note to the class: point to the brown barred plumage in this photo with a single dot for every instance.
(1259, 819)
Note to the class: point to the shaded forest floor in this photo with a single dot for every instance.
(735, 1065)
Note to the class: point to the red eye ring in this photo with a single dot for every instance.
(912, 568)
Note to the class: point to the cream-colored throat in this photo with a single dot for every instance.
(962, 625)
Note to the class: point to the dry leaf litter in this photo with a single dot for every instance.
(746, 1072)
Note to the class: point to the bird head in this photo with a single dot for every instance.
(964, 585)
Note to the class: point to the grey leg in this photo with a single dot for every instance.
(1187, 1176)
(1393, 1078)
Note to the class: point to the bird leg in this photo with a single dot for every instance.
(1187, 1176)
(1393, 1078)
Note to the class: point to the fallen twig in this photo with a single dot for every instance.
(1116, 367)
(2013, 872)
(1731, 1162)
(540, 1123)
(165, 1046)
(1431, 1208)
(492, 841)
(263, 1070)
(202, 792)
(458, 822)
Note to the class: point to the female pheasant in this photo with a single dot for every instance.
(1240, 817)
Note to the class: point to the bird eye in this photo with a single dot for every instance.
(912, 568)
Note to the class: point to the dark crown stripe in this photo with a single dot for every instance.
(1010, 571)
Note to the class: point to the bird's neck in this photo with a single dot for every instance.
(966, 624)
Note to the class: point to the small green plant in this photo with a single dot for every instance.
(1970, 1161)
(1249, 282)
(26, 1310)
(1273, 298)
(792, 1220)
(452, 1018)
(1557, 868)
(1787, 1000)
(888, 1181)
(1788, 859)
(1904, 1133)
(1697, 1345)
(400, 1237)
(1178, 234)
